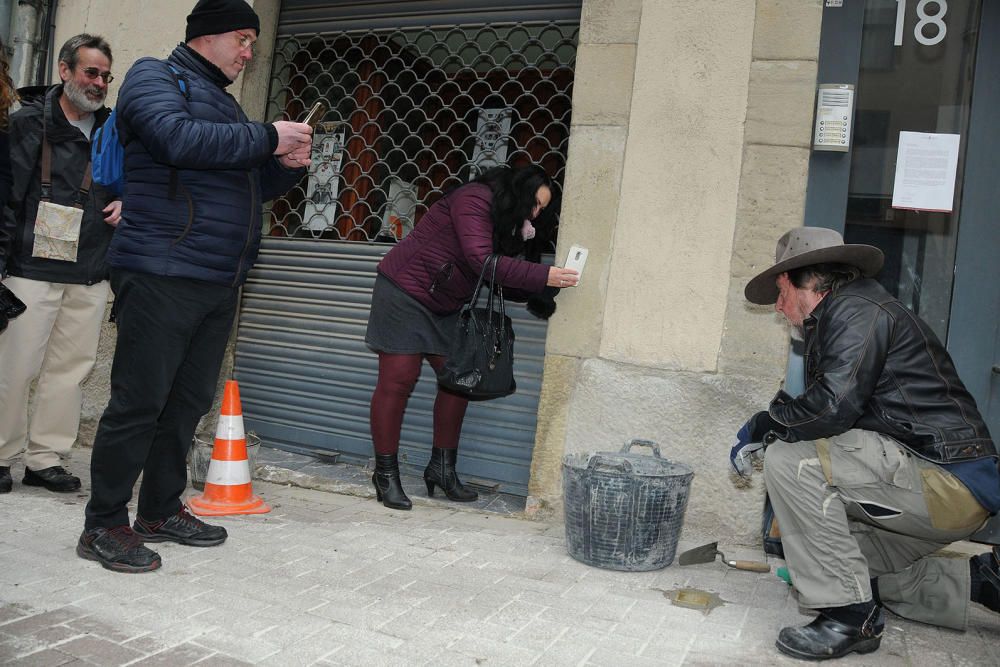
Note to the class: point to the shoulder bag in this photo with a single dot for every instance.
(480, 362)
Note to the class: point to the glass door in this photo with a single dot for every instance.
(923, 66)
(916, 75)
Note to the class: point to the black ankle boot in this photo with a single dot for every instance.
(835, 632)
(441, 471)
(388, 488)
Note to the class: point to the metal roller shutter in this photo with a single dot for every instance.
(407, 85)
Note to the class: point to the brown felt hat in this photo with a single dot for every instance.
(806, 246)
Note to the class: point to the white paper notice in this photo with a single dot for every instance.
(925, 171)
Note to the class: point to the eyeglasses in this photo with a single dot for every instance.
(92, 73)
(246, 41)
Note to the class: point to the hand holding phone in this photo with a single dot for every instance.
(315, 115)
(576, 258)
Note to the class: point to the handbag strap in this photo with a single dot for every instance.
(497, 290)
(482, 278)
(46, 192)
(496, 309)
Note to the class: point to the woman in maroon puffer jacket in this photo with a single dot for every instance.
(422, 284)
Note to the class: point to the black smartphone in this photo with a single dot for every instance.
(315, 114)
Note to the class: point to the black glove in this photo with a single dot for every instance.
(10, 305)
(543, 305)
(761, 424)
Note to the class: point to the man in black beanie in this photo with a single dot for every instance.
(197, 172)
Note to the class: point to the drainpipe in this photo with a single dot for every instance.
(25, 41)
(6, 21)
(47, 45)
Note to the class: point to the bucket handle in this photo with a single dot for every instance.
(598, 462)
(639, 442)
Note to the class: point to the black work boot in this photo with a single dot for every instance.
(6, 482)
(54, 479)
(388, 488)
(182, 528)
(985, 570)
(441, 472)
(117, 549)
(832, 635)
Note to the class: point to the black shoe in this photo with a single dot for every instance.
(825, 638)
(986, 579)
(183, 528)
(441, 472)
(388, 487)
(117, 549)
(54, 479)
(6, 483)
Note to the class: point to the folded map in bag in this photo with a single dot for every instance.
(57, 232)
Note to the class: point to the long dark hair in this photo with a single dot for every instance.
(828, 277)
(513, 198)
(7, 93)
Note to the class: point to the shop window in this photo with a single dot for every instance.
(415, 112)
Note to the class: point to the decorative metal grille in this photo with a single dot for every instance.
(414, 112)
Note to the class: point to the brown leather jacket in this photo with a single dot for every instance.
(872, 364)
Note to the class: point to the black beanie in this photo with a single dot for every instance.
(215, 17)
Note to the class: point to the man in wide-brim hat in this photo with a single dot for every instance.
(883, 460)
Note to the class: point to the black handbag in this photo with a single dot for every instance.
(480, 362)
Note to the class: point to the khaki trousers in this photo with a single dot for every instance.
(54, 340)
(859, 506)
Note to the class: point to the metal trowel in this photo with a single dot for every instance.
(707, 554)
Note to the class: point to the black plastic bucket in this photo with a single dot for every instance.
(624, 511)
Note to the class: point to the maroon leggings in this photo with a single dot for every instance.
(397, 375)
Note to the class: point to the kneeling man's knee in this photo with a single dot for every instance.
(784, 461)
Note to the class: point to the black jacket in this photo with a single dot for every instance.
(70, 156)
(872, 364)
(5, 176)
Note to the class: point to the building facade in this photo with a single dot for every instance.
(684, 137)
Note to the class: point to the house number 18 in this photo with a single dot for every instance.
(933, 23)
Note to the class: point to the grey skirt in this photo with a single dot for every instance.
(399, 324)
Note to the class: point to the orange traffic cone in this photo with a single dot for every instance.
(227, 485)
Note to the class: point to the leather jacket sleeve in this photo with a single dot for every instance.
(845, 356)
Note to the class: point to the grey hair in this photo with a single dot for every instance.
(824, 277)
(69, 53)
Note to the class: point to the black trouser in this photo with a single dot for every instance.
(172, 335)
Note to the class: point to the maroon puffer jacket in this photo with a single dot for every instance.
(439, 262)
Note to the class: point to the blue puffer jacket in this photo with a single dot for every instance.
(209, 226)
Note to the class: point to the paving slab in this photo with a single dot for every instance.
(336, 579)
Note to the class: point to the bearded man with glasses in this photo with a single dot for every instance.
(60, 276)
(197, 172)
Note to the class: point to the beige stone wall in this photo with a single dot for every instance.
(679, 204)
(609, 39)
(136, 29)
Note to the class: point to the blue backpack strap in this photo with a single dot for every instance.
(181, 81)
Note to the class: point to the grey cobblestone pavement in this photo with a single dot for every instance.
(336, 579)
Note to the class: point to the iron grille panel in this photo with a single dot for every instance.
(407, 108)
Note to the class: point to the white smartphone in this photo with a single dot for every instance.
(576, 258)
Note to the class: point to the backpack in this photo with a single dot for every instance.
(107, 151)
